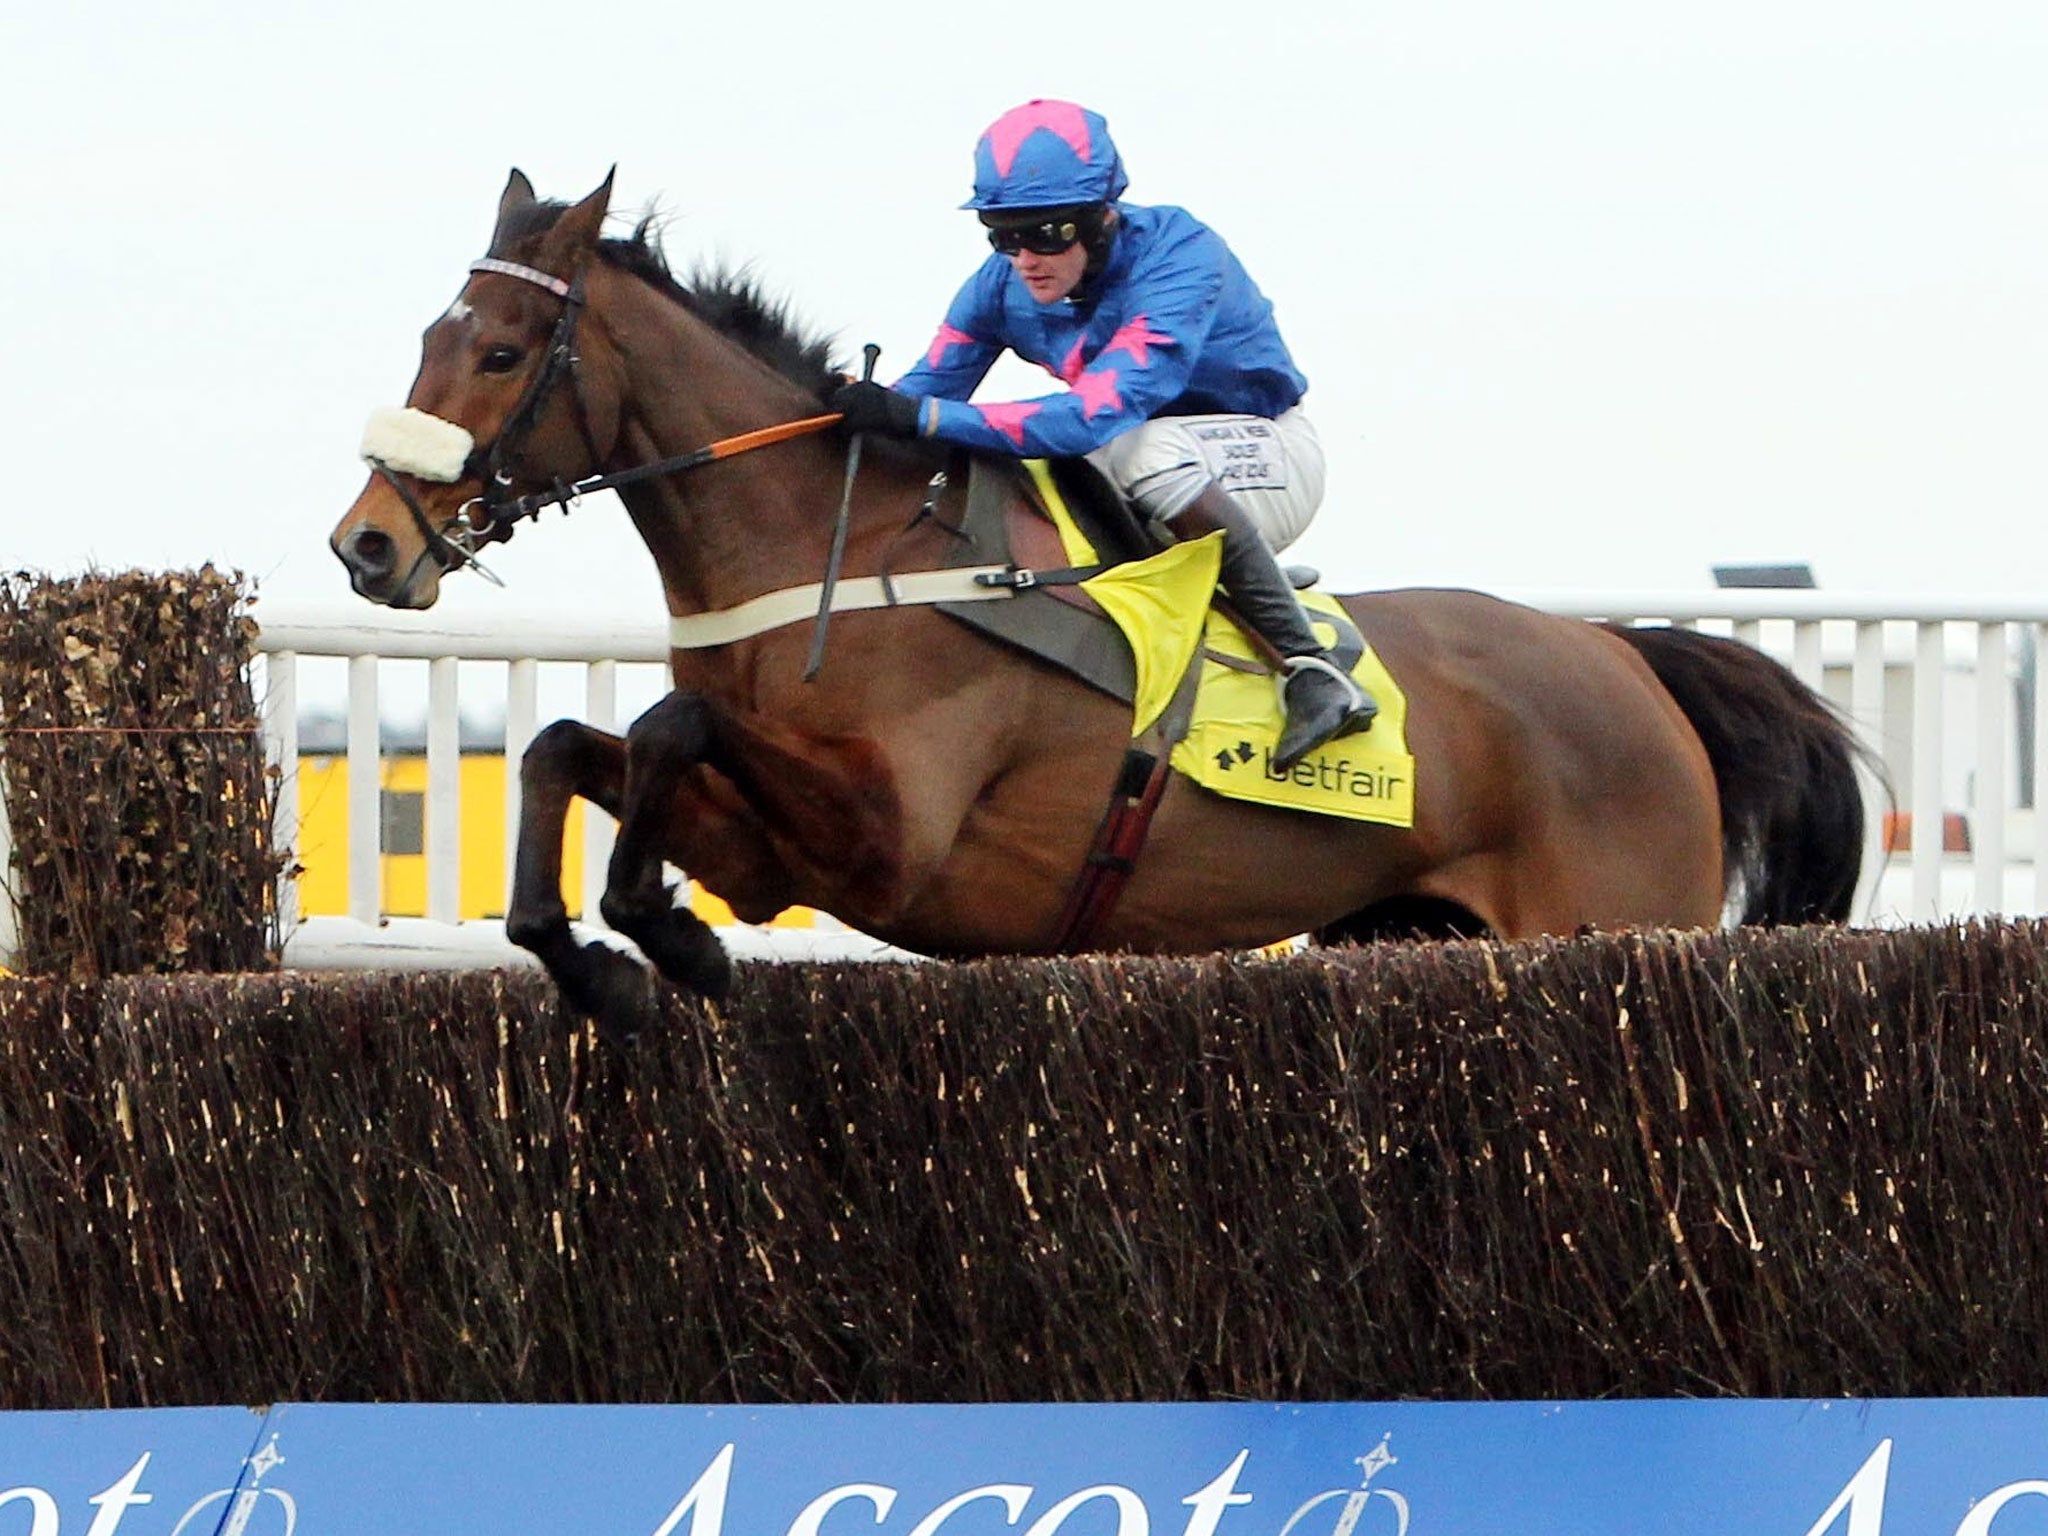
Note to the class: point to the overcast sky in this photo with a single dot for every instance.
(1588, 294)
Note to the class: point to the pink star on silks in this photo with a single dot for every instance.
(1071, 365)
(1009, 417)
(1014, 127)
(944, 341)
(1096, 390)
(1135, 337)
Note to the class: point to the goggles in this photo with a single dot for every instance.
(1047, 239)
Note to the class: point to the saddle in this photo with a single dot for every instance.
(1052, 618)
(1073, 524)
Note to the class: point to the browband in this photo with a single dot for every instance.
(533, 275)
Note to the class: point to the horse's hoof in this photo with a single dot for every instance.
(610, 988)
(685, 950)
(695, 961)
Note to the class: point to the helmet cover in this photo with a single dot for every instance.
(1046, 154)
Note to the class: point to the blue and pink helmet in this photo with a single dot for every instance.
(1046, 154)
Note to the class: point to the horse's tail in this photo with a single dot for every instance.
(1784, 763)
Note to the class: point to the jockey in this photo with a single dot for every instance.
(1179, 386)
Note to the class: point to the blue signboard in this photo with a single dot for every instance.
(1960, 1467)
(122, 1473)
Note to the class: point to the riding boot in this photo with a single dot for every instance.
(1323, 701)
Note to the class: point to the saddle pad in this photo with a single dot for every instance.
(1238, 716)
(1229, 748)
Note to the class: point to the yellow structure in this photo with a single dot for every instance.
(402, 875)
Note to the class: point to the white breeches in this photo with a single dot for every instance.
(1272, 469)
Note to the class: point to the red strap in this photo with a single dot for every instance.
(1114, 854)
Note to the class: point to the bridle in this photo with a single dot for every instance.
(491, 516)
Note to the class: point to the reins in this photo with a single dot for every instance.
(532, 505)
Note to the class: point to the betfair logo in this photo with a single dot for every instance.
(1230, 757)
(1333, 775)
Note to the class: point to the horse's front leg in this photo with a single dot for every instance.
(566, 760)
(729, 797)
(662, 745)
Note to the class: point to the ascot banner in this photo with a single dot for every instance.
(1971, 1467)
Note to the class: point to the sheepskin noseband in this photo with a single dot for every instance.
(408, 441)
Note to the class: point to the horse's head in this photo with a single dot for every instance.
(503, 401)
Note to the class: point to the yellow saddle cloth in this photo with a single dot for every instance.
(1162, 605)
(1238, 718)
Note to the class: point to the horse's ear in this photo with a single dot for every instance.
(518, 195)
(575, 233)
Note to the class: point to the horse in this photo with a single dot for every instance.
(942, 791)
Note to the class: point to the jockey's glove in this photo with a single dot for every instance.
(871, 407)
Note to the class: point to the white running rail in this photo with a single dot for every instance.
(1942, 689)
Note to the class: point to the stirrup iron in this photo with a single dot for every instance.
(1311, 724)
(1361, 701)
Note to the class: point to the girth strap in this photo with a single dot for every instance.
(1140, 782)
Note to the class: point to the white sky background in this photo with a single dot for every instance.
(1588, 294)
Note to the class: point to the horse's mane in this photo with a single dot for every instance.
(730, 302)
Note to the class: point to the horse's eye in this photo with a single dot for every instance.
(498, 360)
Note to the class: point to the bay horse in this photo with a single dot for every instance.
(940, 790)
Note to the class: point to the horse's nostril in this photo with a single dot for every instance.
(371, 553)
